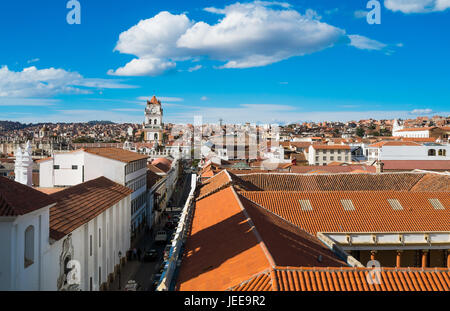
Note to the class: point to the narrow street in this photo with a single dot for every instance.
(143, 272)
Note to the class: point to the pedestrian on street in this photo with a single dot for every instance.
(134, 253)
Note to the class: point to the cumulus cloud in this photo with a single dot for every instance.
(248, 35)
(364, 43)
(422, 111)
(417, 6)
(33, 82)
(195, 68)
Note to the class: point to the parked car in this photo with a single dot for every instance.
(161, 237)
(132, 286)
(150, 255)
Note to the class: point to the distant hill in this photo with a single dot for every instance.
(100, 122)
(11, 126)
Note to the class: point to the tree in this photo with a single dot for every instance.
(360, 132)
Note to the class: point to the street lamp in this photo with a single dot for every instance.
(120, 262)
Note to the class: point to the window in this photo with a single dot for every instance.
(90, 245)
(156, 121)
(99, 237)
(99, 276)
(305, 205)
(156, 136)
(432, 152)
(90, 284)
(74, 167)
(442, 152)
(339, 158)
(56, 167)
(29, 246)
(324, 158)
(331, 158)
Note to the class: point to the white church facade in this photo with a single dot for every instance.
(44, 249)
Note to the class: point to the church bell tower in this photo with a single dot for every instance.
(153, 125)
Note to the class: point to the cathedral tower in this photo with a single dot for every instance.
(153, 125)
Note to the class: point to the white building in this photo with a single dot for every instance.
(69, 240)
(325, 154)
(121, 166)
(398, 150)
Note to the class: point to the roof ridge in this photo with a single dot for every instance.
(265, 271)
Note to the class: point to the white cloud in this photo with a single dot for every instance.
(248, 35)
(162, 98)
(34, 60)
(28, 102)
(422, 111)
(417, 6)
(281, 114)
(33, 82)
(364, 43)
(143, 67)
(204, 98)
(360, 14)
(195, 68)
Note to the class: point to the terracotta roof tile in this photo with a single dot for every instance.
(116, 154)
(348, 279)
(334, 182)
(313, 169)
(152, 179)
(17, 199)
(222, 249)
(334, 147)
(372, 211)
(438, 165)
(79, 204)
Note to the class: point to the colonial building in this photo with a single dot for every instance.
(325, 154)
(319, 232)
(121, 166)
(153, 125)
(70, 240)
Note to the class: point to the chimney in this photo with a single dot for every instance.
(379, 167)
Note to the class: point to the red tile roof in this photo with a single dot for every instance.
(17, 199)
(372, 211)
(409, 165)
(348, 279)
(394, 143)
(335, 182)
(80, 204)
(232, 239)
(415, 129)
(116, 154)
(313, 169)
(152, 179)
(341, 147)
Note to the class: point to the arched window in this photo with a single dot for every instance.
(156, 136)
(29, 246)
(431, 152)
(150, 121)
(156, 121)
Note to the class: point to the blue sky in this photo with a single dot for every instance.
(251, 61)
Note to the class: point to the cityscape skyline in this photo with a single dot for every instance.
(350, 70)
